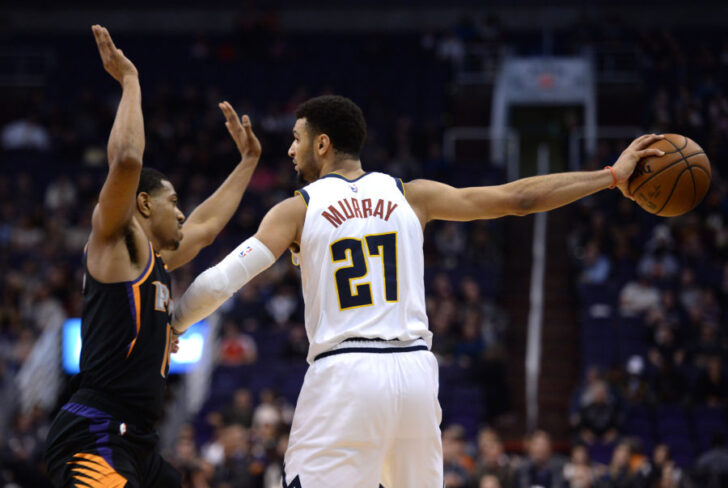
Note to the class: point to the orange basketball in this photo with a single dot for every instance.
(674, 183)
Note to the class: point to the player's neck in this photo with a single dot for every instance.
(348, 168)
(147, 228)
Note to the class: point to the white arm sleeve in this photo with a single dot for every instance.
(211, 288)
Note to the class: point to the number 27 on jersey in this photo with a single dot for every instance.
(351, 250)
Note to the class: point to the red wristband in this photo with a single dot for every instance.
(614, 175)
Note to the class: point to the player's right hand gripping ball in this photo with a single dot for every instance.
(674, 183)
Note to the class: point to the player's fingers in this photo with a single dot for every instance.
(641, 141)
(649, 139)
(95, 29)
(223, 109)
(108, 38)
(105, 46)
(99, 40)
(653, 151)
(103, 36)
(626, 193)
(232, 111)
(228, 112)
(637, 142)
(248, 126)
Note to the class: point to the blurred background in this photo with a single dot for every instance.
(582, 348)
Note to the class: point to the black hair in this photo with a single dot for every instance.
(337, 117)
(150, 180)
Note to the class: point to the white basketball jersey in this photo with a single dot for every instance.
(362, 265)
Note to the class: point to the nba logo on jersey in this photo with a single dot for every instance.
(246, 251)
(353, 188)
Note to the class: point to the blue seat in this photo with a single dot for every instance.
(681, 448)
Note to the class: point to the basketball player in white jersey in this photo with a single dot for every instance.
(368, 412)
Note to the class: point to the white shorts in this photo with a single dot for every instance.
(368, 418)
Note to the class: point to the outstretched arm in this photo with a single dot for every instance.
(280, 228)
(125, 148)
(436, 201)
(208, 219)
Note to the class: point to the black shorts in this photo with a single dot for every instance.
(89, 448)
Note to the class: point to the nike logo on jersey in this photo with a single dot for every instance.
(361, 209)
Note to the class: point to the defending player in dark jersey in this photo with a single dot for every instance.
(104, 436)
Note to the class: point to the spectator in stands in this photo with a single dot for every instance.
(241, 410)
(450, 242)
(60, 194)
(471, 346)
(668, 311)
(662, 472)
(711, 387)
(441, 323)
(283, 304)
(267, 412)
(26, 133)
(493, 323)
(634, 387)
(490, 481)
(492, 460)
(459, 466)
(620, 473)
(581, 477)
(689, 291)
(668, 382)
(238, 469)
(599, 419)
(706, 345)
(273, 477)
(637, 297)
(21, 453)
(711, 468)
(579, 472)
(659, 261)
(595, 265)
(236, 348)
(296, 343)
(484, 249)
(541, 467)
(212, 452)
(194, 472)
(665, 348)
(582, 395)
(44, 310)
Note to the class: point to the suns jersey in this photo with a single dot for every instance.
(362, 264)
(125, 333)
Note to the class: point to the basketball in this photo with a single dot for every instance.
(674, 183)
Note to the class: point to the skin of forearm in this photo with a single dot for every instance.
(547, 192)
(126, 141)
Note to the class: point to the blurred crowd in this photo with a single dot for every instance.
(657, 378)
(667, 280)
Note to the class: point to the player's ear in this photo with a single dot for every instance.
(144, 204)
(322, 144)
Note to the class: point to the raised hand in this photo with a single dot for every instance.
(115, 63)
(242, 132)
(627, 161)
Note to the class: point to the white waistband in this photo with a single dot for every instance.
(357, 342)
